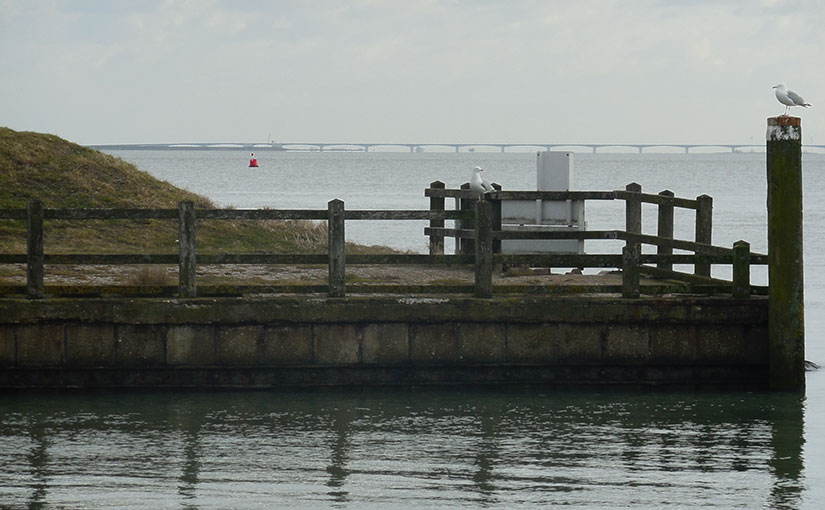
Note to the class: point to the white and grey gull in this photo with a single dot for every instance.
(478, 184)
(789, 97)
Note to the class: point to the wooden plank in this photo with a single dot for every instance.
(261, 258)
(648, 198)
(684, 258)
(674, 243)
(107, 259)
(559, 260)
(110, 214)
(560, 234)
(399, 214)
(12, 214)
(431, 260)
(551, 196)
(262, 214)
(685, 277)
(12, 258)
(523, 195)
(461, 233)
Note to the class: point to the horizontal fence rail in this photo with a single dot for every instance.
(478, 223)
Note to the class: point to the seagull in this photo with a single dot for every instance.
(789, 97)
(478, 184)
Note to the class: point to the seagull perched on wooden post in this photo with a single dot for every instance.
(478, 184)
(789, 97)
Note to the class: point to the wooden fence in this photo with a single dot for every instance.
(478, 223)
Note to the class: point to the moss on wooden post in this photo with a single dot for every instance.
(34, 251)
(337, 249)
(484, 249)
(786, 318)
(186, 249)
(437, 204)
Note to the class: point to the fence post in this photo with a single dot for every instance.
(741, 269)
(633, 209)
(186, 249)
(786, 302)
(665, 230)
(337, 249)
(633, 224)
(34, 250)
(465, 246)
(437, 204)
(483, 249)
(704, 229)
(496, 218)
(631, 256)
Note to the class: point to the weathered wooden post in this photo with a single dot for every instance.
(437, 204)
(741, 269)
(631, 252)
(465, 246)
(496, 218)
(483, 249)
(337, 249)
(34, 250)
(186, 249)
(631, 257)
(633, 209)
(786, 304)
(704, 229)
(665, 228)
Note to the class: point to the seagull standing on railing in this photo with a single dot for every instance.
(789, 97)
(478, 184)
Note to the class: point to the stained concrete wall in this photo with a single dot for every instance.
(310, 341)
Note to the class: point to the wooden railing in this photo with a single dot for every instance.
(478, 221)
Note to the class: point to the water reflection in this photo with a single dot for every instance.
(38, 459)
(410, 448)
(339, 446)
(189, 424)
(787, 441)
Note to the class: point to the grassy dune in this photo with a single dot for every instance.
(65, 175)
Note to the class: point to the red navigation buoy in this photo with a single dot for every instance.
(252, 161)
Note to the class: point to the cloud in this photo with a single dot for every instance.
(417, 70)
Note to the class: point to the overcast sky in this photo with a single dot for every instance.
(653, 71)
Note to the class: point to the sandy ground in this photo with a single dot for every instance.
(15, 274)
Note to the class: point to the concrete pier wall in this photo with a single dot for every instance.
(306, 341)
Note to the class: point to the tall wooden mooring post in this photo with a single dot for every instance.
(786, 317)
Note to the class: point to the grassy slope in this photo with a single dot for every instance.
(64, 174)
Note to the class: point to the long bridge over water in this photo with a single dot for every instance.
(432, 147)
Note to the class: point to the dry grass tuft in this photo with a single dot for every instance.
(150, 276)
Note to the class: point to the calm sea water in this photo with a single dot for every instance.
(438, 448)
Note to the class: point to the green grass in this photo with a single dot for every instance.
(62, 174)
